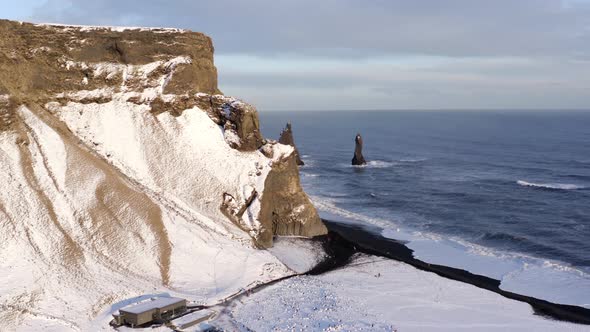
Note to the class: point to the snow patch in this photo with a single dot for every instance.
(163, 153)
(153, 86)
(89, 28)
(298, 254)
(375, 294)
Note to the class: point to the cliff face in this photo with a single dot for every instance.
(38, 61)
(288, 205)
(124, 171)
(163, 70)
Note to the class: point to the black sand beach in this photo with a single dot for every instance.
(346, 239)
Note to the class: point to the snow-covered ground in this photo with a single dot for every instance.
(298, 254)
(106, 202)
(375, 294)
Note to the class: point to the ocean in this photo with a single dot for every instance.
(504, 194)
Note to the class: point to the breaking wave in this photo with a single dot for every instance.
(328, 205)
(376, 164)
(309, 175)
(552, 186)
(413, 160)
(390, 229)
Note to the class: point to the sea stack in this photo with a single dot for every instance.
(358, 158)
(287, 138)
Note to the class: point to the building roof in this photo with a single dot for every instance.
(155, 303)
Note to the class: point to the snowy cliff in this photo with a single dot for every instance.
(125, 171)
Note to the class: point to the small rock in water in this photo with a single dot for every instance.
(358, 158)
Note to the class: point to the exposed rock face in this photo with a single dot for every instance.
(166, 70)
(288, 210)
(358, 158)
(38, 61)
(124, 170)
(240, 120)
(287, 138)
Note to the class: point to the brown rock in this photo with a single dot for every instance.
(287, 138)
(36, 60)
(235, 115)
(358, 158)
(42, 65)
(285, 208)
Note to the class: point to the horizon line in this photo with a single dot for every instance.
(434, 110)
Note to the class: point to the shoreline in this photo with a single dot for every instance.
(344, 237)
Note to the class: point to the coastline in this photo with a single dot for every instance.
(372, 293)
(367, 282)
(369, 240)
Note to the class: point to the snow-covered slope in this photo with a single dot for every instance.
(373, 294)
(124, 173)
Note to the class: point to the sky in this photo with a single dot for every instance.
(370, 54)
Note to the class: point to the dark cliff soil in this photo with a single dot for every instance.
(345, 238)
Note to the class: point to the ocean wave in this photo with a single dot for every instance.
(327, 205)
(376, 164)
(511, 241)
(387, 164)
(503, 237)
(308, 163)
(413, 160)
(391, 229)
(579, 177)
(552, 186)
(310, 175)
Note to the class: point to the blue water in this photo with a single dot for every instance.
(509, 181)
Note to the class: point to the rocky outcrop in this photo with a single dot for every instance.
(125, 171)
(287, 139)
(39, 61)
(239, 120)
(358, 159)
(66, 70)
(288, 210)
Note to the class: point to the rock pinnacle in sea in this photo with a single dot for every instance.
(358, 158)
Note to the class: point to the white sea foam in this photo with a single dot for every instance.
(550, 280)
(547, 279)
(310, 175)
(375, 164)
(308, 162)
(329, 206)
(555, 186)
(413, 160)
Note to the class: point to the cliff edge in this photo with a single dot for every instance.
(59, 68)
(125, 171)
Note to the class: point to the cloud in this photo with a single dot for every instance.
(363, 54)
(394, 83)
(354, 27)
